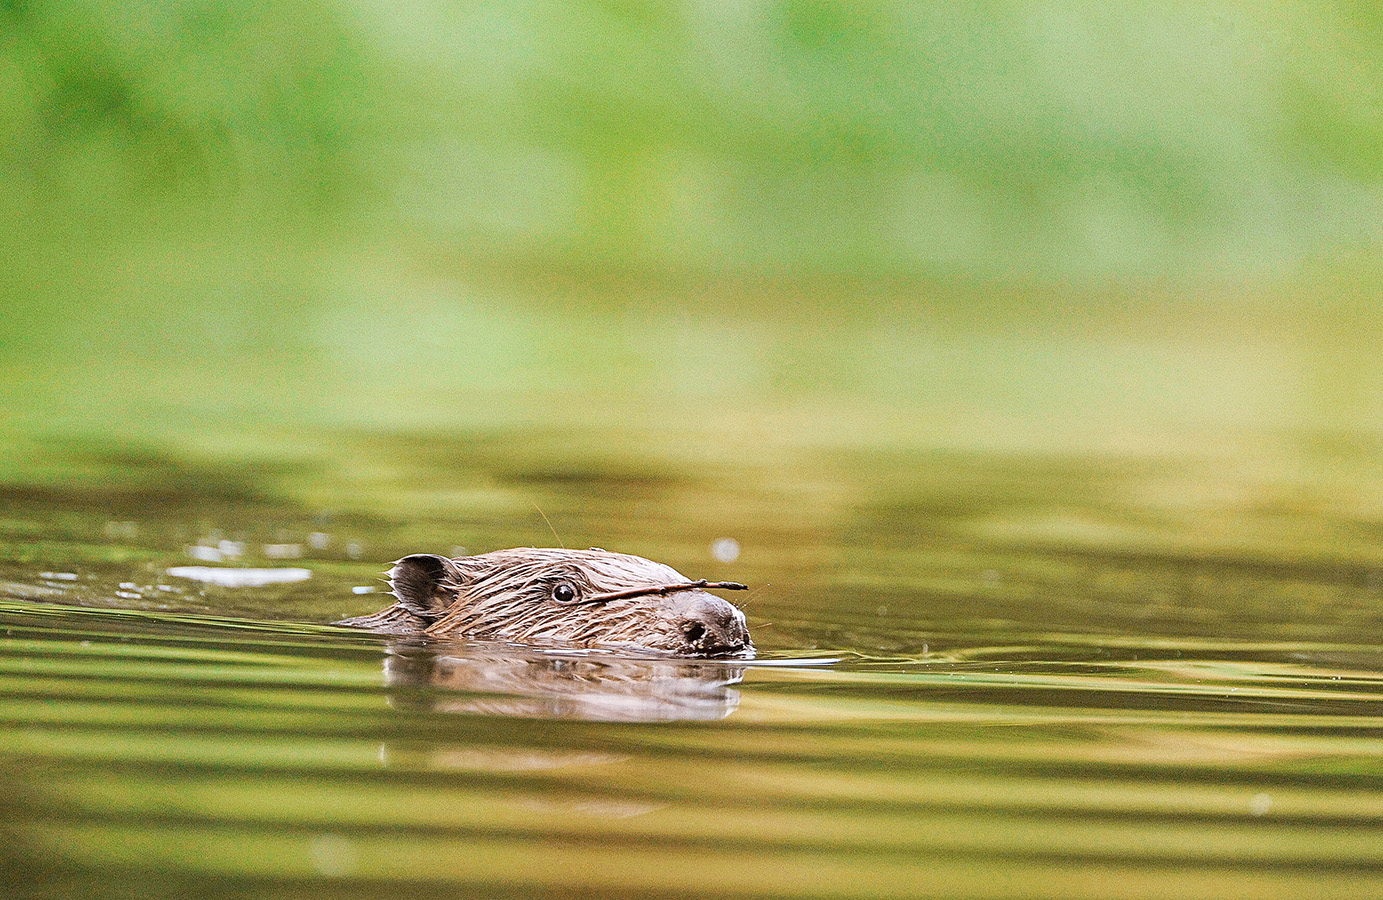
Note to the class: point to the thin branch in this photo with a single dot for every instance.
(667, 589)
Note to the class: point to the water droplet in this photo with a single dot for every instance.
(725, 550)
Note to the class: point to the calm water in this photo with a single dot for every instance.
(980, 676)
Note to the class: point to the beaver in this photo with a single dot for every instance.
(568, 598)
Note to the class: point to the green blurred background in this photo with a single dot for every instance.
(1036, 225)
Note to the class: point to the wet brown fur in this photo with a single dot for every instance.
(508, 595)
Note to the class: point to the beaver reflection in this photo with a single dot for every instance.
(509, 681)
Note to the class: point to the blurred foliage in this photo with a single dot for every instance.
(680, 198)
(203, 100)
(1066, 138)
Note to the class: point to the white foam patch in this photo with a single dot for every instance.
(240, 577)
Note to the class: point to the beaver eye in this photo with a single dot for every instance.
(564, 593)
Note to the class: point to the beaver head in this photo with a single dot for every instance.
(584, 598)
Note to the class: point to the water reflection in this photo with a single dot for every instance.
(498, 679)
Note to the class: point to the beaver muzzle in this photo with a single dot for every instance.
(709, 625)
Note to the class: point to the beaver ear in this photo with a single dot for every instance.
(416, 581)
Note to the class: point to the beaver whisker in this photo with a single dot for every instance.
(754, 595)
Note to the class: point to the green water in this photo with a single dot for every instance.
(978, 677)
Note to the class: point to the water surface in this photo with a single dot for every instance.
(979, 676)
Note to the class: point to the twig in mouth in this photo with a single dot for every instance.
(668, 589)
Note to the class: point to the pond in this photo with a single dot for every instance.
(979, 675)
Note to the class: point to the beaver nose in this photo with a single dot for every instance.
(711, 625)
